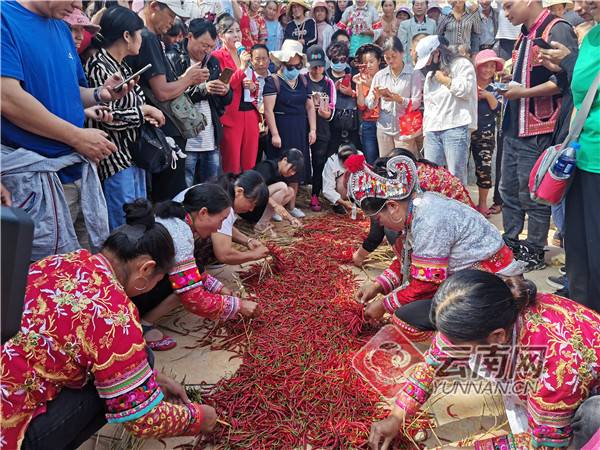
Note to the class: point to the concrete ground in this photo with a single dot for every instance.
(458, 416)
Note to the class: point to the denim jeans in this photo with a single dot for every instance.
(518, 158)
(368, 139)
(123, 187)
(202, 166)
(449, 148)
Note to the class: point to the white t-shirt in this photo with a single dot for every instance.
(226, 226)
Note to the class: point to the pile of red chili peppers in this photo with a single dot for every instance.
(296, 387)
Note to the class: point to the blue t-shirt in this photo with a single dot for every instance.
(40, 53)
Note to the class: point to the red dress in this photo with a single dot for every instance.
(569, 335)
(239, 145)
(78, 321)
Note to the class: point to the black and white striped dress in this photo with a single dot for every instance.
(127, 113)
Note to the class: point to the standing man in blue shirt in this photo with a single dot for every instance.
(44, 90)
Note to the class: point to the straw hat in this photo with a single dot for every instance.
(289, 49)
(302, 3)
(549, 3)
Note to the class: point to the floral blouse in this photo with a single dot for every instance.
(442, 237)
(78, 323)
(569, 333)
(199, 292)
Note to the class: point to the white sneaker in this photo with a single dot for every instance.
(277, 218)
(297, 213)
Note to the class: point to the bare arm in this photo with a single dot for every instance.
(228, 254)
(312, 115)
(269, 104)
(28, 113)
(164, 90)
(237, 10)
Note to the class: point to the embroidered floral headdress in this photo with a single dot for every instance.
(364, 183)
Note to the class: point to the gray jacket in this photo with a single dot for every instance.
(33, 182)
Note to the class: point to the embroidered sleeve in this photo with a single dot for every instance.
(391, 278)
(419, 383)
(211, 283)
(123, 377)
(186, 281)
(415, 290)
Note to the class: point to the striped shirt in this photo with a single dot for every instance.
(459, 32)
(127, 113)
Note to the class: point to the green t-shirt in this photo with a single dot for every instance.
(586, 68)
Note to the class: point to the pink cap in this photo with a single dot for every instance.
(78, 18)
(489, 55)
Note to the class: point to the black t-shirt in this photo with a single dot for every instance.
(323, 131)
(152, 52)
(269, 170)
(343, 101)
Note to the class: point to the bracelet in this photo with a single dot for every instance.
(97, 97)
(249, 240)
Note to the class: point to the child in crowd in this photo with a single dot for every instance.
(281, 195)
(368, 60)
(320, 13)
(274, 29)
(344, 125)
(300, 28)
(358, 19)
(483, 140)
(333, 179)
(323, 94)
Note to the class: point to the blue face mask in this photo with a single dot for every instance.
(339, 66)
(290, 74)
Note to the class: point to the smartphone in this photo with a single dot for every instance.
(542, 44)
(119, 86)
(226, 75)
(501, 87)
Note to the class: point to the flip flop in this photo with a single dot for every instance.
(166, 343)
(485, 212)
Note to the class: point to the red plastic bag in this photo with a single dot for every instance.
(411, 122)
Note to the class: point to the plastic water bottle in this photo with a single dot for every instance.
(565, 164)
(247, 94)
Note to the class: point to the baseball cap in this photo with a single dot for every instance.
(78, 18)
(425, 48)
(179, 7)
(315, 56)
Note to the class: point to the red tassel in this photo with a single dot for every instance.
(354, 163)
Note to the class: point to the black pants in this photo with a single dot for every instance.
(339, 137)
(70, 419)
(416, 314)
(505, 48)
(376, 235)
(170, 182)
(582, 239)
(497, 196)
(319, 152)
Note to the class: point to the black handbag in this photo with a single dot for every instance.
(345, 120)
(152, 151)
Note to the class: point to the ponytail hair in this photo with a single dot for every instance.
(141, 235)
(207, 195)
(471, 304)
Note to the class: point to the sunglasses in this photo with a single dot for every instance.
(298, 66)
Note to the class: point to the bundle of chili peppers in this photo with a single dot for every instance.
(296, 386)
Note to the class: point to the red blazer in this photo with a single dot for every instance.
(232, 112)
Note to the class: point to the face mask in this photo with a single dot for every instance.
(339, 66)
(290, 74)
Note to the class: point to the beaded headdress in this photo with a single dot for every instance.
(364, 183)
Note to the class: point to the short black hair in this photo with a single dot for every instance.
(177, 28)
(258, 47)
(338, 33)
(368, 48)
(338, 49)
(200, 26)
(383, 3)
